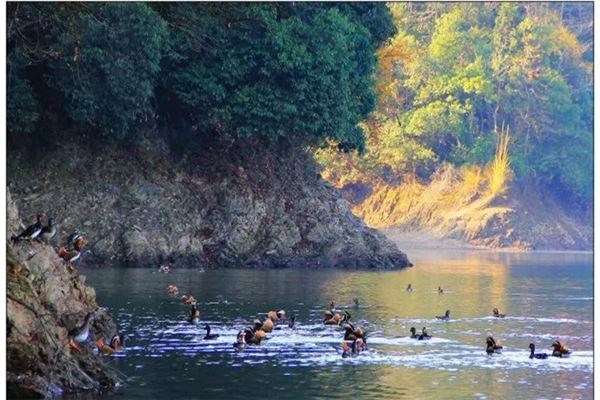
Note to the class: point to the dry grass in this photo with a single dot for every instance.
(498, 171)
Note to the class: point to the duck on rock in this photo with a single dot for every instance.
(81, 333)
(72, 255)
(48, 231)
(32, 231)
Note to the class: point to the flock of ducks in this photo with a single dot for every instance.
(354, 336)
(38, 231)
(44, 230)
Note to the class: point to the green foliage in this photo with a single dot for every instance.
(108, 67)
(273, 70)
(299, 72)
(474, 68)
(21, 106)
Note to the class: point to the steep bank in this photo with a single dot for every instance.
(457, 205)
(44, 301)
(246, 205)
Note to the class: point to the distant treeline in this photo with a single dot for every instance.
(457, 74)
(193, 71)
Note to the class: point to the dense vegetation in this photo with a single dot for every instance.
(457, 77)
(119, 72)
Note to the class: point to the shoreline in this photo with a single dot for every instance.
(420, 240)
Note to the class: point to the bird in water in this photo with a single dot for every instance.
(409, 288)
(357, 346)
(497, 313)
(164, 269)
(356, 302)
(440, 290)
(560, 349)
(533, 354)
(194, 317)
(172, 289)
(81, 333)
(292, 321)
(32, 231)
(240, 341)
(413, 333)
(209, 336)
(491, 346)
(48, 231)
(187, 299)
(111, 347)
(445, 317)
(424, 334)
(263, 324)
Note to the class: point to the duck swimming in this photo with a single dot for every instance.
(208, 335)
(292, 321)
(539, 356)
(413, 333)
(356, 302)
(194, 317)
(240, 340)
(445, 317)
(409, 288)
(164, 269)
(560, 349)
(354, 349)
(81, 333)
(424, 335)
(254, 336)
(440, 290)
(32, 231)
(172, 289)
(111, 347)
(352, 332)
(187, 299)
(331, 318)
(491, 346)
(263, 324)
(497, 313)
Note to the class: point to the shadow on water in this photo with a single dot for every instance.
(546, 296)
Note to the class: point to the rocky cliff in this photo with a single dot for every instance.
(245, 205)
(44, 301)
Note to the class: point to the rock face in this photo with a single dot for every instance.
(241, 206)
(45, 301)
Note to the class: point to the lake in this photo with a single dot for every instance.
(546, 296)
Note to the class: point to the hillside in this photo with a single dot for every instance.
(457, 205)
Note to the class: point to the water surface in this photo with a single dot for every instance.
(546, 296)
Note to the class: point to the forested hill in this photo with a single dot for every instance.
(484, 125)
(180, 133)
